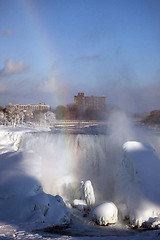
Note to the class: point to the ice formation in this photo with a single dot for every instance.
(105, 213)
(137, 186)
(85, 195)
(89, 193)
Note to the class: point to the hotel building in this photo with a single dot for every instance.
(31, 107)
(91, 102)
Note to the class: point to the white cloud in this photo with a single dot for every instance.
(11, 68)
(51, 85)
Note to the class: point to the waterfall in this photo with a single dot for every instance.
(61, 161)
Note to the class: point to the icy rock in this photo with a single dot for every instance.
(105, 213)
(86, 193)
(152, 223)
(137, 194)
(89, 193)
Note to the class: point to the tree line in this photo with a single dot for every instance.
(72, 112)
(14, 116)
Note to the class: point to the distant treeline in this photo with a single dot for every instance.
(72, 112)
(153, 117)
(68, 112)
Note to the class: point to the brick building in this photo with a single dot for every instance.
(90, 102)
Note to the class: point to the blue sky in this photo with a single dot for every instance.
(52, 49)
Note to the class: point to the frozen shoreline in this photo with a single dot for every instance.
(11, 231)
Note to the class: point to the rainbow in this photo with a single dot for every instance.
(32, 14)
(47, 49)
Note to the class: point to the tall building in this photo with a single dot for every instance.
(91, 102)
(39, 107)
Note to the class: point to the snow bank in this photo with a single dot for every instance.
(137, 191)
(105, 213)
(21, 196)
(23, 200)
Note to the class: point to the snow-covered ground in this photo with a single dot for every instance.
(28, 205)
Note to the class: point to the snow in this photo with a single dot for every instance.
(86, 196)
(79, 204)
(22, 194)
(22, 198)
(137, 187)
(25, 205)
(86, 193)
(89, 193)
(105, 213)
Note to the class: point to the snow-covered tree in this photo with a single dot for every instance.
(44, 118)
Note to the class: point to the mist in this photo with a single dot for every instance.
(135, 99)
(61, 161)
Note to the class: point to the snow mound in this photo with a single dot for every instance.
(137, 193)
(23, 200)
(105, 213)
(47, 209)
